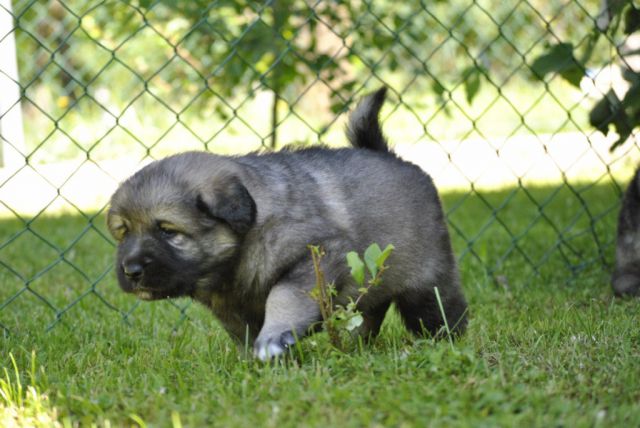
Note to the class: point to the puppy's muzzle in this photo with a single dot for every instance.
(134, 267)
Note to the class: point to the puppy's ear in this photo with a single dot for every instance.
(230, 202)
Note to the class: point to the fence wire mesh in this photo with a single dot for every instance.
(492, 98)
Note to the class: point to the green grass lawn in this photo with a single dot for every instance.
(547, 344)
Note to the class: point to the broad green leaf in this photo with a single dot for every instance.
(631, 100)
(632, 20)
(383, 256)
(340, 313)
(371, 255)
(354, 322)
(611, 111)
(438, 88)
(558, 59)
(357, 267)
(603, 112)
(472, 82)
(337, 107)
(628, 118)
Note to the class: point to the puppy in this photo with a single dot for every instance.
(233, 234)
(626, 277)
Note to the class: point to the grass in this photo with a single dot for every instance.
(547, 344)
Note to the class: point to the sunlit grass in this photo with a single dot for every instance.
(24, 405)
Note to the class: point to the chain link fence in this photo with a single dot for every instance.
(492, 98)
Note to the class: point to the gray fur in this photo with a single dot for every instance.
(342, 200)
(363, 130)
(626, 278)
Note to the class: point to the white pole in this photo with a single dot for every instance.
(12, 149)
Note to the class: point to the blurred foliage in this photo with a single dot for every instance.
(195, 57)
(620, 111)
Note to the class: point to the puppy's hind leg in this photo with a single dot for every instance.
(626, 282)
(422, 316)
(372, 321)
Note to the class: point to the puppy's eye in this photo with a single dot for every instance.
(167, 231)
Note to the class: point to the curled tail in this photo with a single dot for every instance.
(363, 130)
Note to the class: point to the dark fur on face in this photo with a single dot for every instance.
(233, 233)
(174, 240)
(626, 278)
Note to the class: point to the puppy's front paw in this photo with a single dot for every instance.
(267, 348)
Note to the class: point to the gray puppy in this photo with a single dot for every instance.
(626, 278)
(232, 233)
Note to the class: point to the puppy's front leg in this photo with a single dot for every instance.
(289, 313)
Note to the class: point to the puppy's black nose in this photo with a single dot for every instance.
(134, 268)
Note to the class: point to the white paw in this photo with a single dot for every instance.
(268, 351)
(273, 347)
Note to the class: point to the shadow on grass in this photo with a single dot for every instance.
(56, 268)
(554, 234)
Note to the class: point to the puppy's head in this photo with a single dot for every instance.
(179, 223)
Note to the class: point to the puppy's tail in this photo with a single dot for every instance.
(363, 130)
